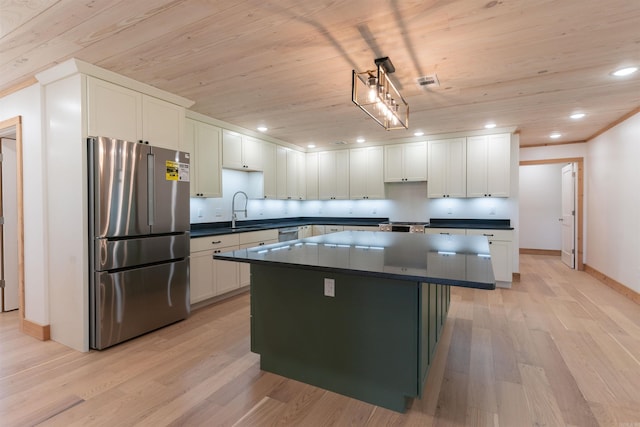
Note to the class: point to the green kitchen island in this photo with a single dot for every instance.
(358, 312)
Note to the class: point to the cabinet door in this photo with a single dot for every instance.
(438, 152)
(456, 175)
(358, 173)
(269, 170)
(231, 150)
(477, 166)
(113, 111)
(501, 259)
(415, 161)
(393, 163)
(499, 165)
(311, 168)
(302, 176)
(207, 162)
(366, 173)
(327, 175)
(201, 281)
(252, 153)
(226, 273)
(281, 172)
(342, 175)
(292, 175)
(162, 123)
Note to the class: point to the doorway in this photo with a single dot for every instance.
(574, 223)
(8, 222)
(11, 199)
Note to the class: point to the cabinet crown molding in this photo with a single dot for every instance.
(74, 66)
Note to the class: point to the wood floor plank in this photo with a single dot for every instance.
(558, 348)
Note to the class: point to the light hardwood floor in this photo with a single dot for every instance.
(560, 348)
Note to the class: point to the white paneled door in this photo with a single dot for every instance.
(9, 241)
(568, 214)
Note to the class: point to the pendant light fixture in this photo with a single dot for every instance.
(376, 95)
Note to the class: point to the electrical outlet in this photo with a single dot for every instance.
(218, 212)
(199, 212)
(329, 287)
(450, 211)
(492, 210)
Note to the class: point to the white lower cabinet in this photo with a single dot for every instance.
(209, 277)
(501, 247)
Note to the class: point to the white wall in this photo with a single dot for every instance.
(614, 203)
(541, 206)
(28, 104)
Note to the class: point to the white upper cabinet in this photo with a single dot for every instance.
(269, 167)
(162, 122)
(241, 152)
(333, 175)
(447, 170)
(489, 165)
(118, 112)
(289, 168)
(366, 173)
(405, 162)
(203, 142)
(311, 172)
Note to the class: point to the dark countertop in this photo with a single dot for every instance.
(440, 259)
(224, 227)
(493, 224)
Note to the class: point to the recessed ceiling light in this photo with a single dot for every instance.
(577, 116)
(490, 125)
(555, 135)
(360, 140)
(311, 146)
(625, 71)
(263, 128)
(418, 133)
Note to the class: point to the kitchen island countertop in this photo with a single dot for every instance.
(440, 259)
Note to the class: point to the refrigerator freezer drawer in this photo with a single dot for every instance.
(115, 254)
(129, 303)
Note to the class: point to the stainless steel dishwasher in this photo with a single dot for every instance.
(289, 233)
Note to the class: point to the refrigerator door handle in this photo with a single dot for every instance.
(150, 188)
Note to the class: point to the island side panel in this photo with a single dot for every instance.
(363, 343)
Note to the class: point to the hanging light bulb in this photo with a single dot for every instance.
(373, 88)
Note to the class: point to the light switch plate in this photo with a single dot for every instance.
(329, 287)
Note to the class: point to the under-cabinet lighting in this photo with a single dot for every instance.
(484, 255)
(446, 253)
(343, 246)
(311, 244)
(264, 251)
(298, 244)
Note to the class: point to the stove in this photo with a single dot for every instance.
(403, 227)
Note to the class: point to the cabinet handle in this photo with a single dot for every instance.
(446, 234)
(216, 242)
(488, 235)
(261, 243)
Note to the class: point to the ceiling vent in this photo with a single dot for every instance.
(428, 82)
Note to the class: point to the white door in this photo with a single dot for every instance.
(9, 243)
(568, 215)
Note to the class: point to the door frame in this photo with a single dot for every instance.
(579, 161)
(6, 124)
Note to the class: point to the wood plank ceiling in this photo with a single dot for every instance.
(287, 63)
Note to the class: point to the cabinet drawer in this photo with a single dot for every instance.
(503, 235)
(258, 236)
(214, 242)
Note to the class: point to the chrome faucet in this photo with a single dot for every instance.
(233, 207)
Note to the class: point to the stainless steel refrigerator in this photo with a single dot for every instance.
(138, 239)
